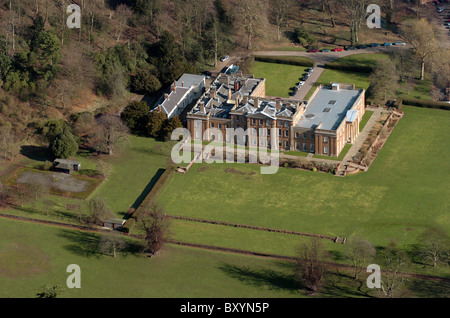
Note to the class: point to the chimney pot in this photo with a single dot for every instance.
(278, 105)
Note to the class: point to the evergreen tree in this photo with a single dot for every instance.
(64, 145)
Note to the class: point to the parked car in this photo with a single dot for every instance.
(311, 69)
(387, 44)
(440, 9)
(362, 47)
(399, 43)
(350, 48)
(207, 74)
(304, 78)
(338, 49)
(313, 50)
(223, 59)
(374, 45)
(325, 50)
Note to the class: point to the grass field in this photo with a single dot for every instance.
(403, 193)
(281, 79)
(363, 59)
(32, 255)
(135, 170)
(365, 119)
(361, 80)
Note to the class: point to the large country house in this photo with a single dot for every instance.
(322, 125)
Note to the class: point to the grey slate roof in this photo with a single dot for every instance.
(190, 80)
(338, 101)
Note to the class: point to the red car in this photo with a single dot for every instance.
(313, 51)
(338, 49)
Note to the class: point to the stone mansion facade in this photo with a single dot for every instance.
(322, 125)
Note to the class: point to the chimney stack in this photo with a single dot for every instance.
(202, 107)
(166, 96)
(237, 86)
(229, 93)
(159, 108)
(256, 101)
(245, 100)
(182, 84)
(278, 105)
(173, 88)
(213, 92)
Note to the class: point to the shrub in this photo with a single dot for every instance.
(285, 60)
(425, 103)
(153, 194)
(348, 67)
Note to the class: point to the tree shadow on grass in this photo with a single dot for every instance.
(429, 289)
(260, 277)
(82, 243)
(88, 244)
(36, 153)
(148, 188)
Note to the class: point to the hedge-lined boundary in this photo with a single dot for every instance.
(284, 60)
(149, 199)
(207, 247)
(421, 103)
(348, 68)
(294, 259)
(184, 218)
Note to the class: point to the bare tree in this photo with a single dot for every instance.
(310, 267)
(110, 133)
(421, 35)
(330, 6)
(250, 14)
(21, 192)
(359, 252)
(384, 79)
(4, 195)
(356, 14)
(48, 205)
(393, 265)
(122, 15)
(434, 246)
(98, 212)
(156, 227)
(280, 10)
(112, 243)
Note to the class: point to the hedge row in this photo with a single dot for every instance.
(156, 190)
(425, 103)
(129, 225)
(349, 68)
(285, 60)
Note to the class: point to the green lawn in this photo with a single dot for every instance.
(361, 80)
(365, 119)
(363, 59)
(403, 193)
(296, 153)
(32, 255)
(281, 79)
(135, 169)
(338, 158)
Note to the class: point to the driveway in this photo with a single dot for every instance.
(325, 57)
